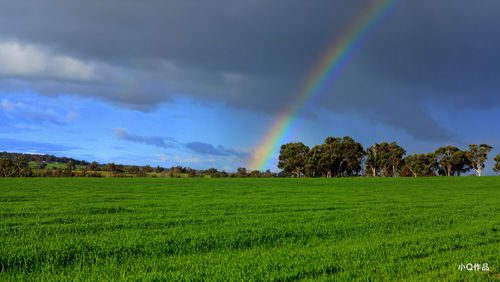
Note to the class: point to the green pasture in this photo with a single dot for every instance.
(249, 229)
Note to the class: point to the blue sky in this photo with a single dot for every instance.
(198, 85)
(90, 129)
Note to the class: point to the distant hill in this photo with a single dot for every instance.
(41, 158)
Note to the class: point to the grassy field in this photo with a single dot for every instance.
(249, 229)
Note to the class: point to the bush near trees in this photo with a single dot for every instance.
(18, 167)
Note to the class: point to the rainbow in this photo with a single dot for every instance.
(323, 75)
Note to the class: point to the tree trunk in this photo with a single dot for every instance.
(412, 172)
(374, 172)
(478, 171)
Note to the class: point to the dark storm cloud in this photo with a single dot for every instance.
(209, 149)
(168, 142)
(255, 54)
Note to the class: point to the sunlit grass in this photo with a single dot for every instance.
(249, 229)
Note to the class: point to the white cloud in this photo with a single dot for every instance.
(190, 160)
(7, 105)
(23, 115)
(162, 157)
(31, 61)
(187, 160)
(73, 115)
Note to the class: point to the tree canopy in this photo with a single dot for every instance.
(477, 155)
(451, 160)
(292, 158)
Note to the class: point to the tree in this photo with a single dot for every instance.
(372, 159)
(241, 172)
(110, 167)
(268, 173)
(421, 164)
(141, 172)
(120, 168)
(177, 170)
(94, 166)
(21, 167)
(68, 170)
(379, 158)
(159, 169)
(461, 163)
(412, 163)
(331, 156)
(7, 168)
(114, 169)
(70, 166)
(477, 155)
(352, 157)
(451, 160)
(384, 158)
(132, 169)
(335, 157)
(255, 173)
(312, 163)
(190, 172)
(292, 158)
(395, 157)
(213, 172)
(147, 168)
(497, 163)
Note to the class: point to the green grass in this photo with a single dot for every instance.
(249, 229)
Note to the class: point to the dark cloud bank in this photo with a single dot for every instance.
(158, 141)
(169, 142)
(254, 54)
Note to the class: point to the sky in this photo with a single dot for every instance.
(199, 83)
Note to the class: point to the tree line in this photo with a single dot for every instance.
(344, 157)
(17, 165)
(40, 158)
(336, 157)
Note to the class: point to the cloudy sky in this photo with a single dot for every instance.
(198, 83)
